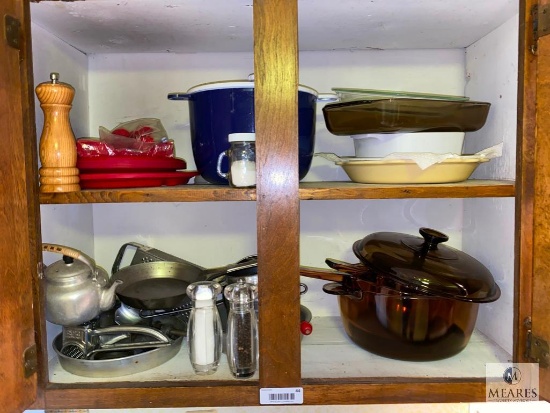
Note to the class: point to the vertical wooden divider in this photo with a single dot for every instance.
(276, 111)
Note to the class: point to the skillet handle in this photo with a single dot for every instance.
(242, 268)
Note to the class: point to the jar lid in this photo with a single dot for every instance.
(422, 264)
(203, 290)
(238, 137)
(240, 293)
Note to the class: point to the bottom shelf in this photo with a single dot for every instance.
(177, 369)
(335, 372)
(326, 354)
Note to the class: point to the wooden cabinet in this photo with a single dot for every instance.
(279, 201)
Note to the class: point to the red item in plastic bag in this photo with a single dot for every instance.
(121, 132)
(139, 137)
(89, 147)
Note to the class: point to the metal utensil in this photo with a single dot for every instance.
(83, 342)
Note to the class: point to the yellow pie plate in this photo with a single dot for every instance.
(401, 171)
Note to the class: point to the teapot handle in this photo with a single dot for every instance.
(70, 252)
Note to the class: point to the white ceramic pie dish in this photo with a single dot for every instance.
(401, 171)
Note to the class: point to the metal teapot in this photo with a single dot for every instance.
(77, 290)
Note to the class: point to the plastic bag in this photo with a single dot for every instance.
(90, 147)
(144, 137)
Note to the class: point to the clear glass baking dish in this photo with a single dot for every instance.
(347, 94)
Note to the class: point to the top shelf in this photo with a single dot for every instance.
(193, 26)
(308, 191)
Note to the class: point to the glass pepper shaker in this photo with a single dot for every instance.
(242, 160)
(242, 329)
(204, 329)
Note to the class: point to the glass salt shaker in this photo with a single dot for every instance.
(204, 329)
(242, 160)
(242, 329)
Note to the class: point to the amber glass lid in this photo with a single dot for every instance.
(424, 265)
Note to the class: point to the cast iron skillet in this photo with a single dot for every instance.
(161, 285)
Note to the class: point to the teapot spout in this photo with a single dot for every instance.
(107, 300)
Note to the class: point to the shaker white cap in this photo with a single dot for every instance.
(204, 292)
(237, 137)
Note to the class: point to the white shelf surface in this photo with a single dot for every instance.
(326, 354)
(329, 353)
(176, 369)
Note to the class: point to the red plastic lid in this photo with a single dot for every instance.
(306, 328)
(129, 164)
(135, 179)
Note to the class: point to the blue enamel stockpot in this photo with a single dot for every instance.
(220, 108)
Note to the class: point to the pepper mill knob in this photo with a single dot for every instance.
(57, 148)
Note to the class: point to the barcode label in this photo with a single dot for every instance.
(289, 395)
(281, 397)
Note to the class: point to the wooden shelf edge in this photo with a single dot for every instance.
(149, 395)
(308, 191)
(394, 391)
(183, 193)
(473, 188)
(316, 392)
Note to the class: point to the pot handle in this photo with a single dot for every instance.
(358, 270)
(338, 265)
(327, 97)
(323, 274)
(179, 96)
(339, 289)
(219, 165)
(70, 252)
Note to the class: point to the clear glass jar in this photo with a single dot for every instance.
(242, 160)
(242, 330)
(204, 329)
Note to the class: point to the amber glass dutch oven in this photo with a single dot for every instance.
(413, 299)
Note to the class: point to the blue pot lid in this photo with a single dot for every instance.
(238, 84)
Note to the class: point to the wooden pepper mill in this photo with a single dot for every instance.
(57, 147)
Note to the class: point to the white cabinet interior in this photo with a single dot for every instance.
(123, 63)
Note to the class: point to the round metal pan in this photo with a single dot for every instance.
(156, 285)
(162, 285)
(128, 363)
